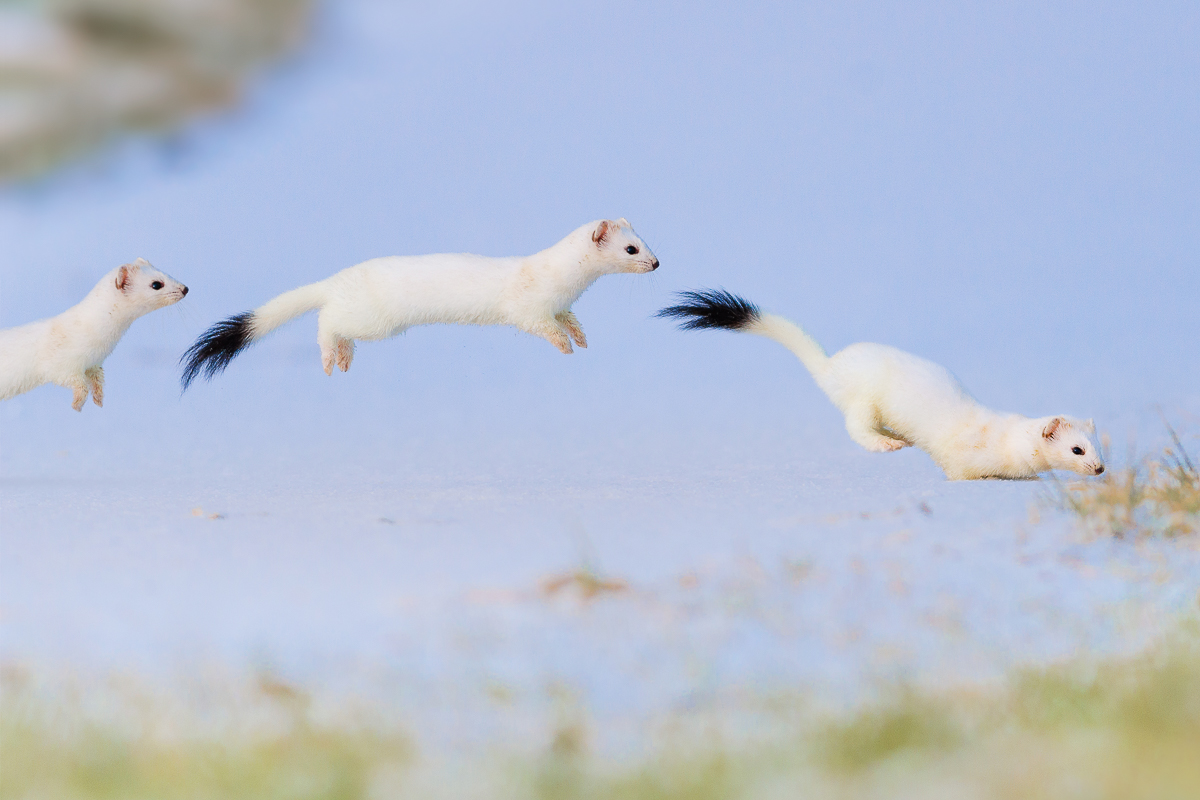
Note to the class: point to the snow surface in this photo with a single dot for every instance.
(1009, 192)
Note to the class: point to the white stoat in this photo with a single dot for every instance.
(893, 399)
(383, 297)
(70, 349)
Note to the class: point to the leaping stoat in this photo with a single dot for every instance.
(70, 349)
(893, 399)
(383, 297)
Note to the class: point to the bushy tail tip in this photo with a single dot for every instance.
(216, 347)
(712, 308)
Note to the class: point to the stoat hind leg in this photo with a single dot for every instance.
(862, 423)
(345, 354)
(552, 332)
(569, 321)
(95, 378)
(335, 348)
(339, 352)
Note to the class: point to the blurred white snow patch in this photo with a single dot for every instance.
(74, 74)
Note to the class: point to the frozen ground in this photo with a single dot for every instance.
(1006, 196)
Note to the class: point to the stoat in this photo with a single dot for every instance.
(893, 399)
(383, 297)
(70, 349)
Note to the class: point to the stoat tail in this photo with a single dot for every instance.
(717, 308)
(217, 346)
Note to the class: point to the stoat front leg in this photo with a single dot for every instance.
(95, 378)
(862, 423)
(569, 321)
(553, 333)
(79, 388)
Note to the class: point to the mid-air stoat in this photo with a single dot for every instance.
(70, 349)
(383, 297)
(893, 399)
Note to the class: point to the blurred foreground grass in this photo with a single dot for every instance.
(75, 74)
(1126, 728)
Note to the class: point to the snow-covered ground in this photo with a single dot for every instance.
(1010, 195)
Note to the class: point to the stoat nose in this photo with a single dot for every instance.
(183, 291)
(654, 265)
(1100, 469)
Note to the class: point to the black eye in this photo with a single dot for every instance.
(1077, 451)
(156, 285)
(631, 250)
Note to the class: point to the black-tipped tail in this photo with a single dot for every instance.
(216, 347)
(712, 308)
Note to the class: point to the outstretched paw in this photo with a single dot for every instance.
(95, 377)
(345, 354)
(79, 396)
(571, 323)
(563, 344)
(553, 333)
(884, 444)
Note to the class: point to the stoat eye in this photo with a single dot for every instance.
(156, 285)
(1077, 451)
(631, 250)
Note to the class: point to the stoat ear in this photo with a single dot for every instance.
(601, 231)
(141, 262)
(1052, 427)
(123, 277)
(624, 223)
(1090, 425)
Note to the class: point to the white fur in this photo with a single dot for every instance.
(893, 399)
(70, 349)
(383, 297)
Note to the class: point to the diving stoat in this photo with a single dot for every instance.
(383, 297)
(893, 399)
(70, 349)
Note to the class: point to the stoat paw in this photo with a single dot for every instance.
(883, 445)
(327, 362)
(345, 354)
(574, 329)
(559, 339)
(79, 398)
(95, 377)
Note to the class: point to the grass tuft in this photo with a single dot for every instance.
(1158, 496)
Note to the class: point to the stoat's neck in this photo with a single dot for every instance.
(563, 271)
(1023, 446)
(104, 315)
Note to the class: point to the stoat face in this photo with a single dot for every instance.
(1070, 444)
(620, 249)
(148, 288)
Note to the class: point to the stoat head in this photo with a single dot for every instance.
(1071, 444)
(618, 249)
(146, 288)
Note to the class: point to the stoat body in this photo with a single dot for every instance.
(69, 350)
(383, 297)
(893, 399)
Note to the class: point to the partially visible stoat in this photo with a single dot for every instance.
(383, 297)
(70, 349)
(893, 399)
